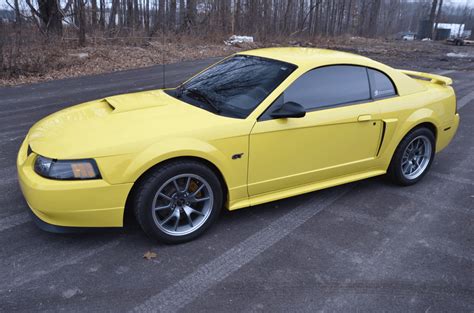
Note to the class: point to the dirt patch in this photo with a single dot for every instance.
(67, 61)
(402, 54)
(64, 60)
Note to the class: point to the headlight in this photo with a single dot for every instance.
(66, 170)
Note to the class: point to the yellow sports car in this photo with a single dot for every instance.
(258, 126)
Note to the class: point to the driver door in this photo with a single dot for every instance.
(339, 135)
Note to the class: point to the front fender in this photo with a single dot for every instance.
(127, 168)
(173, 148)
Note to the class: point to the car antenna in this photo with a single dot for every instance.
(163, 66)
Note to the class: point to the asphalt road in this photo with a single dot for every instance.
(365, 246)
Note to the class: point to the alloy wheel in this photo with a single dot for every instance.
(416, 157)
(182, 204)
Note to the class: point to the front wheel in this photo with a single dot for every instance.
(413, 157)
(177, 202)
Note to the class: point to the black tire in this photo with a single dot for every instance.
(395, 171)
(149, 185)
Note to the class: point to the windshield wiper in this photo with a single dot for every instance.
(202, 95)
(179, 91)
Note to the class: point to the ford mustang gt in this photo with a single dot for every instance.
(258, 126)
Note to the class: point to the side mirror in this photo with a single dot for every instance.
(289, 110)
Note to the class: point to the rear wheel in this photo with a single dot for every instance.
(178, 202)
(413, 157)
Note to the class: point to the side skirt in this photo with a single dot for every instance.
(286, 193)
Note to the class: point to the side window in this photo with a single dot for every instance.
(329, 86)
(381, 85)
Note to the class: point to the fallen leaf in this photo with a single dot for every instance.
(149, 255)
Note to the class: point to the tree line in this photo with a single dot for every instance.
(214, 18)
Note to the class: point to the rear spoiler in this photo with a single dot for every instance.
(435, 79)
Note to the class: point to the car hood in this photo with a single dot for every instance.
(118, 125)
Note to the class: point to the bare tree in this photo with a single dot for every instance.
(93, 13)
(182, 14)
(432, 17)
(373, 19)
(82, 22)
(438, 16)
(191, 13)
(172, 15)
(264, 19)
(18, 16)
(113, 14)
(49, 14)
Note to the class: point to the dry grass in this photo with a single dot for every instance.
(65, 62)
(31, 59)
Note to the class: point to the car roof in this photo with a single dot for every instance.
(307, 56)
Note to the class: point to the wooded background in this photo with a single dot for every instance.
(63, 38)
(262, 19)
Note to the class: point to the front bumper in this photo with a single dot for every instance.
(88, 203)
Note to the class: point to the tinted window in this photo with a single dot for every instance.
(236, 86)
(328, 86)
(381, 85)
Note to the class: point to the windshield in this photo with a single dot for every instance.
(235, 86)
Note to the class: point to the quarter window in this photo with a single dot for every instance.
(329, 86)
(381, 85)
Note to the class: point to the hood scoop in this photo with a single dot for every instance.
(134, 101)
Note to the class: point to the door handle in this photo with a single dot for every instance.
(364, 118)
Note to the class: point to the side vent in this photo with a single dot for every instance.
(382, 137)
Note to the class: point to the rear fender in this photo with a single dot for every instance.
(396, 130)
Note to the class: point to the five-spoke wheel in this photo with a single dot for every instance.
(182, 204)
(177, 201)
